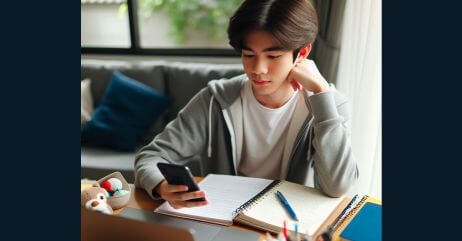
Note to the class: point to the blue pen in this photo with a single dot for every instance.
(286, 205)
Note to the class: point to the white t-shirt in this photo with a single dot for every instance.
(264, 135)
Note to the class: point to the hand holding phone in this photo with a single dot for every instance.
(179, 187)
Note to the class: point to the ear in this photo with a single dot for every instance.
(305, 51)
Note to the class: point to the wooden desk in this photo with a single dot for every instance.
(141, 200)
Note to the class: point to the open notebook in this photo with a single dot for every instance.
(253, 201)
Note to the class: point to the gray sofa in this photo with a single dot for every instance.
(180, 81)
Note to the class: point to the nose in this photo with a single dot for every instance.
(94, 203)
(260, 67)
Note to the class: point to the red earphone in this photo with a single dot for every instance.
(302, 52)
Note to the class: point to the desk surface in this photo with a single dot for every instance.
(140, 199)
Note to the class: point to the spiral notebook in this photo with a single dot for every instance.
(253, 201)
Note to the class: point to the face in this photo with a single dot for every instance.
(267, 67)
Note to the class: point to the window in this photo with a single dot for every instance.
(157, 27)
(102, 25)
(184, 24)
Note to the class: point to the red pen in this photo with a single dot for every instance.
(284, 231)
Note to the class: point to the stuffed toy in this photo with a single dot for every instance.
(95, 198)
(112, 184)
(119, 192)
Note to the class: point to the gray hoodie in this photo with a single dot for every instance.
(319, 154)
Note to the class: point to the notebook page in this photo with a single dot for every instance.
(224, 193)
(310, 205)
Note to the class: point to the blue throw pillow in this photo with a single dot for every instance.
(127, 109)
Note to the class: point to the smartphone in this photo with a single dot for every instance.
(179, 175)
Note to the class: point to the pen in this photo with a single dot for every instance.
(286, 205)
(284, 231)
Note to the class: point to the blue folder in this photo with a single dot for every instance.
(366, 225)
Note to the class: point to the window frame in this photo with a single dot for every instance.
(136, 49)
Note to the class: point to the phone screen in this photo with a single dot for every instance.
(179, 175)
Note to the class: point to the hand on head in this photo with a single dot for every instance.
(305, 74)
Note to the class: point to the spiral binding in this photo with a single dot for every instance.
(342, 222)
(257, 197)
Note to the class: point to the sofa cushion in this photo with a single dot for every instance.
(127, 110)
(149, 73)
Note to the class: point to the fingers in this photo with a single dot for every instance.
(184, 196)
(295, 84)
(177, 197)
(187, 204)
(176, 188)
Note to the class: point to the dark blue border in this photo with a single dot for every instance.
(39, 122)
(421, 124)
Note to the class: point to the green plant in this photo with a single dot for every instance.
(211, 16)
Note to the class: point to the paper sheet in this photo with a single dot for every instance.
(224, 193)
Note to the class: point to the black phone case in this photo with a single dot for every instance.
(179, 175)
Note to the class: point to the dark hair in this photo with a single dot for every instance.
(293, 23)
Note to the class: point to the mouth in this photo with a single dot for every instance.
(260, 82)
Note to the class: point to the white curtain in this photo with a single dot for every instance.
(359, 77)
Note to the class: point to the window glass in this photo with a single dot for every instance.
(104, 23)
(185, 24)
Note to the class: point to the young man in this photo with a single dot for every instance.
(279, 120)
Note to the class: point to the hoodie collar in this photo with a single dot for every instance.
(227, 91)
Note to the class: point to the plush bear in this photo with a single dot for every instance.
(95, 198)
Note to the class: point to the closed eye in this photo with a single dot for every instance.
(269, 56)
